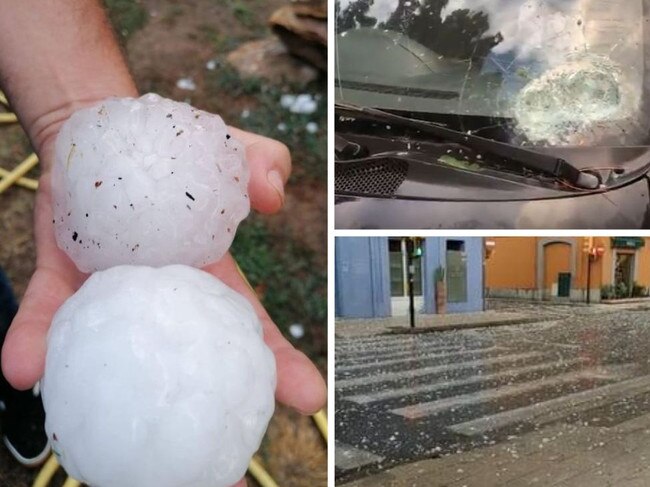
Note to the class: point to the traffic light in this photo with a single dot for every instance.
(415, 246)
(587, 244)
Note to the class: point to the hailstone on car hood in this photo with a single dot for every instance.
(147, 181)
(157, 378)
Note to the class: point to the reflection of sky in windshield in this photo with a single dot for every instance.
(382, 9)
(532, 28)
(491, 51)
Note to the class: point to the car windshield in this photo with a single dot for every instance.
(546, 72)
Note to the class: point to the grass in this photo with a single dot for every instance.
(172, 14)
(220, 43)
(292, 288)
(127, 16)
(243, 11)
(15, 146)
(266, 116)
(309, 149)
(228, 79)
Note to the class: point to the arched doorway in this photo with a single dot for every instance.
(556, 268)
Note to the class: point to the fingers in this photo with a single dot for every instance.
(270, 166)
(300, 384)
(241, 483)
(23, 353)
(56, 279)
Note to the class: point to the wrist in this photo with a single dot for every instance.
(56, 57)
(43, 127)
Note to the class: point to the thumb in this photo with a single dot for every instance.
(270, 165)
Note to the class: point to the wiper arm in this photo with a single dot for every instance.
(544, 163)
(347, 149)
(397, 90)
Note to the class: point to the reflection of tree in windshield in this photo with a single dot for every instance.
(354, 15)
(461, 35)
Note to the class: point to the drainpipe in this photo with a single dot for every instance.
(484, 254)
(588, 278)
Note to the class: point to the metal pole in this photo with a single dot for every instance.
(411, 297)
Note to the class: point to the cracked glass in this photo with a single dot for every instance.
(549, 73)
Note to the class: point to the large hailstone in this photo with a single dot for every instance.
(147, 181)
(157, 378)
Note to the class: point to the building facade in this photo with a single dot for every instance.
(371, 275)
(559, 268)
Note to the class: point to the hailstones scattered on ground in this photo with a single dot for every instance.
(157, 377)
(147, 181)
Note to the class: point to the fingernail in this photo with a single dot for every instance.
(275, 180)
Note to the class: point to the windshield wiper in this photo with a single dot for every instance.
(544, 163)
(349, 150)
(397, 90)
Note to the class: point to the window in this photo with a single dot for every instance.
(397, 282)
(456, 271)
(398, 270)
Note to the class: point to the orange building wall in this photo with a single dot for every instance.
(643, 265)
(580, 281)
(602, 268)
(512, 265)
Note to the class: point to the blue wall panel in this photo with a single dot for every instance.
(362, 277)
(432, 259)
(474, 249)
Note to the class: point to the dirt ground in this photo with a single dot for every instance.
(166, 40)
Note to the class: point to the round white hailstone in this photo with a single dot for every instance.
(147, 181)
(157, 377)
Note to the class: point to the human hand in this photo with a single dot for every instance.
(56, 278)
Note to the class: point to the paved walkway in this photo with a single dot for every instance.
(583, 456)
(501, 312)
(378, 326)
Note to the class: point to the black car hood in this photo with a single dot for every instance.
(624, 208)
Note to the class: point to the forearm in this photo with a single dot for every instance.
(55, 57)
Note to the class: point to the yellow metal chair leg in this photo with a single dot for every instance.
(28, 183)
(47, 472)
(260, 474)
(320, 418)
(18, 172)
(8, 118)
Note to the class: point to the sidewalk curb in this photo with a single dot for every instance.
(460, 326)
(626, 301)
